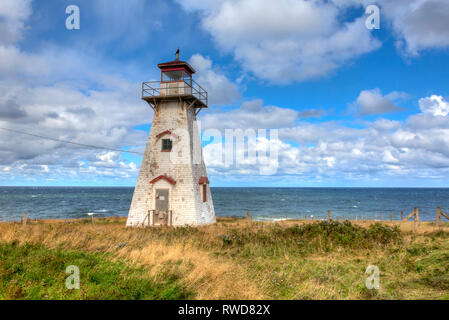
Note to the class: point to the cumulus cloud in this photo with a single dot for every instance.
(312, 113)
(220, 89)
(252, 114)
(35, 97)
(418, 24)
(84, 102)
(13, 15)
(435, 105)
(285, 40)
(295, 40)
(95, 117)
(63, 93)
(331, 151)
(372, 102)
(11, 110)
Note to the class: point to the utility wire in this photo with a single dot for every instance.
(70, 142)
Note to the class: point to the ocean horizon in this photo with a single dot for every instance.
(264, 203)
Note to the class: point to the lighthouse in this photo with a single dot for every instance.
(173, 188)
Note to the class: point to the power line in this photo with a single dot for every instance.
(70, 142)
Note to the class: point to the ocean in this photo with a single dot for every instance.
(262, 203)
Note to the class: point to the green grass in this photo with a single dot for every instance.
(318, 260)
(329, 259)
(34, 272)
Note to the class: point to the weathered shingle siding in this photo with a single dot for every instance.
(184, 165)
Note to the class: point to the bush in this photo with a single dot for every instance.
(321, 235)
(344, 234)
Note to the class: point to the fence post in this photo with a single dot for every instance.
(24, 219)
(441, 213)
(417, 216)
(328, 215)
(439, 218)
(248, 216)
(391, 216)
(416, 219)
(402, 215)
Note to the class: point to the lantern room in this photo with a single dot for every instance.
(176, 83)
(176, 71)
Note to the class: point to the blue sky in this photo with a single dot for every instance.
(352, 106)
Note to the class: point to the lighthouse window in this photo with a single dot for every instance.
(166, 144)
(172, 76)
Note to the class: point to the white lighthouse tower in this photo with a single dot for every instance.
(173, 188)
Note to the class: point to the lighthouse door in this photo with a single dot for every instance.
(161, 199)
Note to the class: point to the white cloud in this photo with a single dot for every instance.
(35, 97)
(15, 62)
(13, 14)
(435, 105)
(219, 88)
(83, 102)
(102, 118)
(330, 151)
(252, 114)
(372, 102)
(418, 24)
(294, 40)
(312, 113)
(388, 157)
(286, 40)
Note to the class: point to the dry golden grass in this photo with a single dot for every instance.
(209, 277)
(261, 266)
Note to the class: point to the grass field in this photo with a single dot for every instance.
(234, 259)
